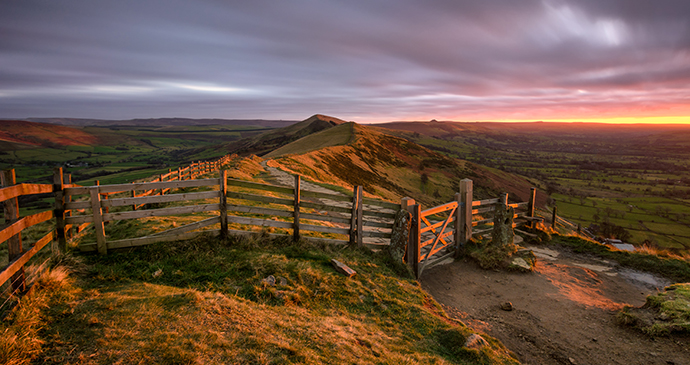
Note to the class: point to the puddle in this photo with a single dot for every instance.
(645, 280)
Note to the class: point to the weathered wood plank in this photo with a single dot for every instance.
(378, 214)
(440, 209)
(259, 186)
(223, 191)
(324, 207)
(15, 191)
(378, 224)
(482, 231)
(325, 218)
(98, 220)
(488, 209)
(314, 239)
(189, 227)
(376, 234)
(381, 203)
(325, 229)
(14, 243)
(483, 221)
(79, 219)
(148, 240)
(259, 210)
(295, 209)
(158, 185)
(19, 262)
(85, 204)
(259, 222)
(485, 202)
(342, 268)
(260, 198)
(161, 212)
(313, 194)
(23, 223)
(161, 199)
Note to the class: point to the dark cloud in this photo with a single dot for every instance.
(359, 60)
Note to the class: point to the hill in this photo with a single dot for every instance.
(276, 138)
(390, 167)
(20, 133)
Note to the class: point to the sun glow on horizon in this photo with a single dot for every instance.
(617, 120)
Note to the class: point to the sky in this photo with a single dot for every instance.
(359, 60)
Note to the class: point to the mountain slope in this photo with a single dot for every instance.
(339, 135)
(392, 167)
(274, 139)
(31, 134)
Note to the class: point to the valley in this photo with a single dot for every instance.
(636, 177)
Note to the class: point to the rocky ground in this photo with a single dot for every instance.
(563, 313)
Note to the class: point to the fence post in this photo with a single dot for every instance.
(98, 219)
(531, 205)
(414, 251)
(458, 224)
(134, 195)
(360, 220)
(11, 208)
(465, 231)
(407, 204)
(105, 197)
(353, 217)
(295, 225)
(160, 178)
(69, 233)
(553, 220)
(223, 204)
(179, 174)
(58, 189)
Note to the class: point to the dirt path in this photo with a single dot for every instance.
(564, 313)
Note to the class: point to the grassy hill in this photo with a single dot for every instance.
(23, 134)
(276, 138)
(389, 167)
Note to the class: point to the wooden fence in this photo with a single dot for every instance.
(63, 214)
(446, 228)
(299, 209)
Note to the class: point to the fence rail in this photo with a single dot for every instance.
(69, 214)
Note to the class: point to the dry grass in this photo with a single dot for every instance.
(204, 302)
(21, 340)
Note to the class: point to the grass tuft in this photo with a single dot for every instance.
(663, 314)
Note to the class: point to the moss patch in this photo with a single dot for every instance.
(663, 314)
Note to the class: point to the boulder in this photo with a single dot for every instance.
(523, 260)
(475, 341)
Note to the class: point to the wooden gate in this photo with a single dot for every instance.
(432, 233)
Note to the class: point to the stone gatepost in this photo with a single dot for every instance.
(502, 233)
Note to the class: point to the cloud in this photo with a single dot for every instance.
(443, 59)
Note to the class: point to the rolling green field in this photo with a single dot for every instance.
(127, 153)
(635, 177)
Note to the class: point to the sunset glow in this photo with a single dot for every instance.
(621, 61)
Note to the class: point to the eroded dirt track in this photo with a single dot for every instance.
(564, 313)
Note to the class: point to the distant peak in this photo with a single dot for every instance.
(332, 120)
